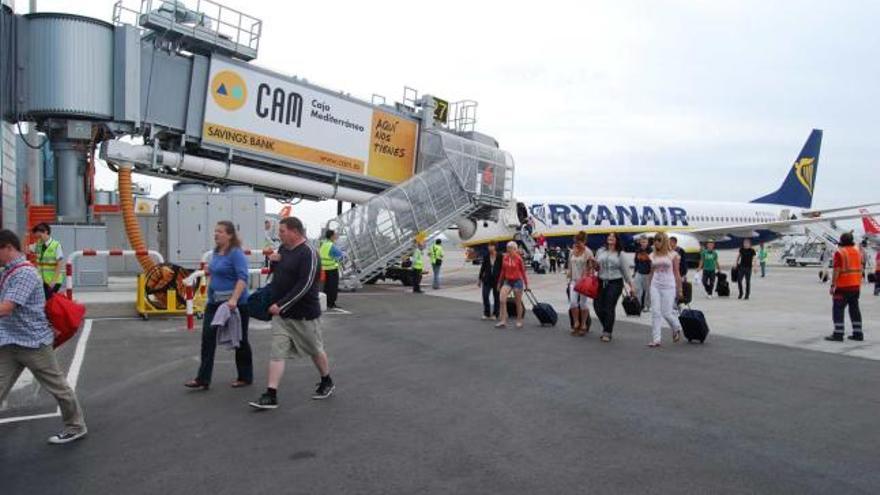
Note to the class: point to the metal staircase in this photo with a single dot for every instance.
(458, 177)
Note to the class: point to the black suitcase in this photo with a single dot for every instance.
(693, 325)
(734, 274)
(511, 306)
(631, 305)
(872, 278)
(722, 288)
(543, 311)
(687, 292)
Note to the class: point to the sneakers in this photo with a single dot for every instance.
(835, 337)
(324, 390)
(68, 436)
(265, 401)
(858, 337)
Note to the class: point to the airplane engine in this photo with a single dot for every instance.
(689, 243)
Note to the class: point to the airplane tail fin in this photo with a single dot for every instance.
(870, 223)
(797, 190)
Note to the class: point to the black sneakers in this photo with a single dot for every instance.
(325, 389)
(67, 436)
(835, 337)
(858, 337)
(265, 401)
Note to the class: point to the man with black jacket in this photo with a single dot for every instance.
(296, 323)
(488, 280)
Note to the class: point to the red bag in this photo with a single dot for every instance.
(588, 286)
(65, 316)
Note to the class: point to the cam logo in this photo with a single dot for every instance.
(803, 170)
(228, 90)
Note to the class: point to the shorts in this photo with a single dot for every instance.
(295, 338)
(514, 284)
(576, 299)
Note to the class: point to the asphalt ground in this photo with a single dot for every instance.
(431, 400)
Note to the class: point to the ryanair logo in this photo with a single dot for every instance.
(804, 171)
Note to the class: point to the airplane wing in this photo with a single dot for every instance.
(818, 213)
(779, 226)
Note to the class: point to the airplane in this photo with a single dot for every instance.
(872, 228)
(763, 219)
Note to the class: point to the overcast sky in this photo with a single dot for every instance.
(703, 100)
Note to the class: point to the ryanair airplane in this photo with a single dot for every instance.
(558, 219)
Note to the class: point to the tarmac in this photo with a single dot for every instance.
(430, 399)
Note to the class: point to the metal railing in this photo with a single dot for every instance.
(459, 178)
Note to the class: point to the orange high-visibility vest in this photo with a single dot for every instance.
(850, 271)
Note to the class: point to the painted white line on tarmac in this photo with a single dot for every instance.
(72, 375)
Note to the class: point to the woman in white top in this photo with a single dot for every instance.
(665, 283)
(580, 264)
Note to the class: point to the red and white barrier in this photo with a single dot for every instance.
(103, 252)
(191, 279)
(206, 257)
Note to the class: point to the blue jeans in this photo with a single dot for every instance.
(436, 270)
(243, 359)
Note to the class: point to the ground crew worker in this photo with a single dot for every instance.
(50, 257)
(418, 264)
(330, 258)
(436, 256)
(762, 259)
(846, 283)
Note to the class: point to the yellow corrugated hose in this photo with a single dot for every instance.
(157, 277)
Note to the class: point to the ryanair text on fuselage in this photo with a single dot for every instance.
(599, 214)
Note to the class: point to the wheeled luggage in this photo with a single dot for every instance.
(687, 292)
(542, 311)
(722, 288)
(693, 325)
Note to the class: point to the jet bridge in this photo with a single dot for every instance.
(169, 88)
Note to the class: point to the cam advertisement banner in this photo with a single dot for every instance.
(248, 110)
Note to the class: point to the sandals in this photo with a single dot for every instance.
(654, 345)
(519, 324)
(196, 385)
(605, 338)
(676, 336)
(501, 324)
(239, 384)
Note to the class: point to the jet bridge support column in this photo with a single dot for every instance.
(70, 167)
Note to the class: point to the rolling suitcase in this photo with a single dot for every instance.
(687, 292)
(872, 278)
(543, 311)
(631, 305)
(511, 306)
(693, 325)
(722, 288)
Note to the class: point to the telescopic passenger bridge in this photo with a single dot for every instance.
(169, 89)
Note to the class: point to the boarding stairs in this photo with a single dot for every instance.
(458, 178)
(826, 233)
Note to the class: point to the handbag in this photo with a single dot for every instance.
(259, 301)
(65, 316)
(588, 286)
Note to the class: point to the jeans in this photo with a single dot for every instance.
(243, 359)
(435, 268)
(643, 292)
(709, 281)
(494, 309)
(663, 309)
(605, 305)
(840, 301)
(744, 272)
(763, 269)
(331, 287)
(44, 366)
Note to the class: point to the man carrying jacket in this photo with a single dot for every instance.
(296, 312)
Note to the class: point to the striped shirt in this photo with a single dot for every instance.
(27, 325)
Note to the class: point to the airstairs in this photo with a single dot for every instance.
(458, 178)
